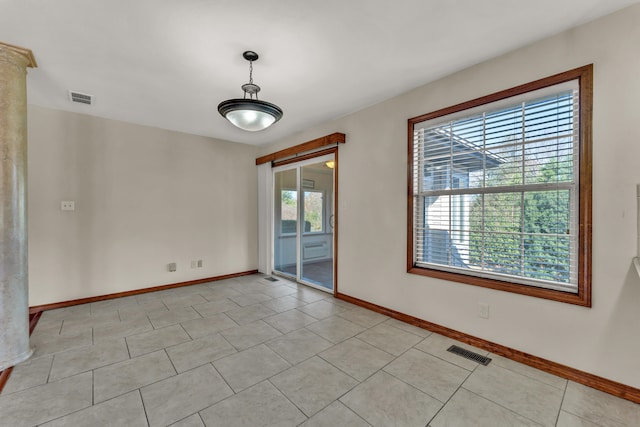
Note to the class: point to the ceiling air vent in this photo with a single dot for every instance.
(82, 98)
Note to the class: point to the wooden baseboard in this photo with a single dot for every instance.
(4, 376)
(33, 321)
(608, 386)
(63, 304)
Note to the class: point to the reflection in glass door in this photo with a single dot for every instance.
(285, 252)
(303, 222)
(316, 208)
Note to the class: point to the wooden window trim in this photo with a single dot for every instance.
(304, 157)
(584, 75)
(333, 139)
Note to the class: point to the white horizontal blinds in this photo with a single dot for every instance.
(495, 191)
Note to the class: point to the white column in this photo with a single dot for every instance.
(14, 281)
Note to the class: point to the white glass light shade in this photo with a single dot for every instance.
(250, 114)
(250, 120)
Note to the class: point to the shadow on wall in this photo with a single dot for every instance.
(617, 337)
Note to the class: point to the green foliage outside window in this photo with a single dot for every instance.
(523, 234)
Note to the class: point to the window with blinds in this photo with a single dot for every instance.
(496, 189)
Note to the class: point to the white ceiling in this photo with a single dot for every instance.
(168, 63)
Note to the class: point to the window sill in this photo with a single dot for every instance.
(581, 298)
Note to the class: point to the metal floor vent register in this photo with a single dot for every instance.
(271, 279)
(469, 355)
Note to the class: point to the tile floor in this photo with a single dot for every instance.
(250, 352)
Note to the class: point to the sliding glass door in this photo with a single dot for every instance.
(285, 252)
(304, 221)
(316, 211)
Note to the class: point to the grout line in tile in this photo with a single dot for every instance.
(227, 341)
(338, 368)
(188, 416)
(140, 388)
(453, 394)
(590, 421)
(373, 345)
(126, 343)
(93, 397)
(62, 416)
(50, 369)
(403, 330)
(188, 334)
(341, 370)
(348, 391)
(144, 407)
(225, 381)
(421, 391)
(448, 400)
(198, 313)
(171, 361)
(530, 377)
(502, 406)
(564, 393)
(200, 416)
(287, 397)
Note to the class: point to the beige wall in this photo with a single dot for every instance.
(372, 208)
(144, 197)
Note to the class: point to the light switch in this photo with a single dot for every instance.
(68, 205)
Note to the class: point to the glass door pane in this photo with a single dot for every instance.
(316, 212)
(285, 228)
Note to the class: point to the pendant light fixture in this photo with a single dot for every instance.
(250, 113)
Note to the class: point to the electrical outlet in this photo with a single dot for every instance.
(483, 310)
(194, 264)
(172, 266)
(199, 263)
(68, 205)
